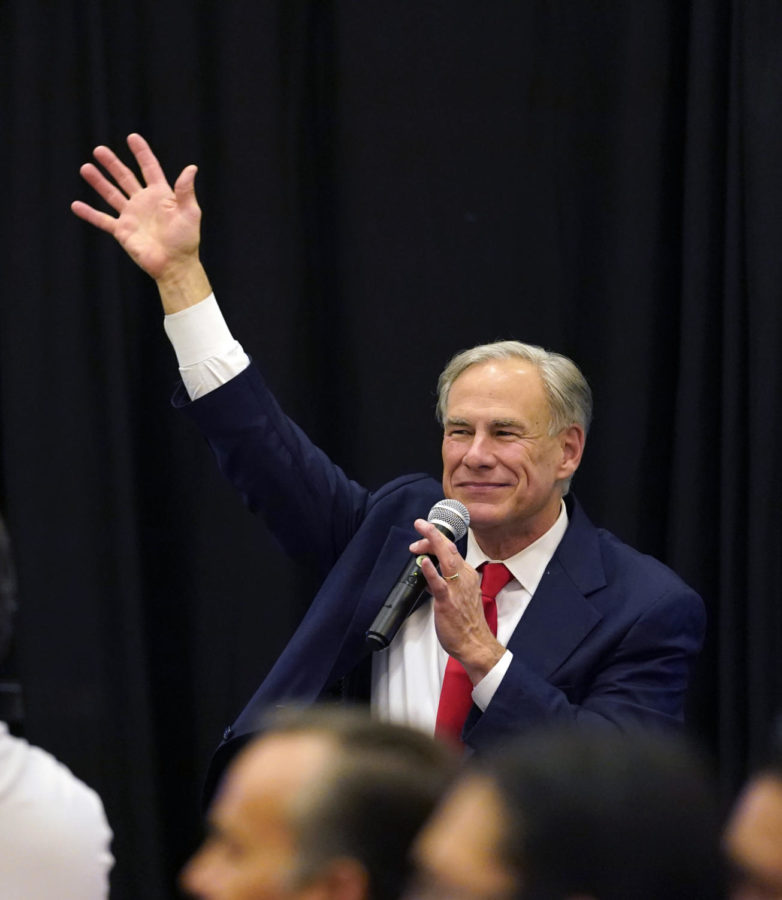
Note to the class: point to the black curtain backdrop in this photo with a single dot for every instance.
(383, 184)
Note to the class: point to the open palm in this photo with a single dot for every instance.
(158, 226)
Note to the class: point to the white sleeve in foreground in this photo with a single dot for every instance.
(54, 837)
(206, 351)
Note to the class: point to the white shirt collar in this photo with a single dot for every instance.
(528, 565)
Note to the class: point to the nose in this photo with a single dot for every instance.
(479, 454)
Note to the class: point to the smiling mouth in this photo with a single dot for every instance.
(480, 486)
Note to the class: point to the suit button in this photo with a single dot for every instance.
(228, 733)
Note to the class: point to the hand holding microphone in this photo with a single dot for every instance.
(452, 519)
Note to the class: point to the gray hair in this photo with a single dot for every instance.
(569, 396)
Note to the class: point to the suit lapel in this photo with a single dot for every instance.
(393, 557)
(560, 615)
(557, 619)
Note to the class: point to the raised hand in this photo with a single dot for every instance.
(157, 225)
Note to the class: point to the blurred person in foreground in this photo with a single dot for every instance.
(575, 815)
(54, 837)
(324, 804)
(753, 834)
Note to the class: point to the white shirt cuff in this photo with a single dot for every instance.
(206, 351)
(483, 692)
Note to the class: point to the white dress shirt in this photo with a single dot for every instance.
(54, 837)
(408, 675)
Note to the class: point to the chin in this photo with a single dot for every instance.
(483, 515)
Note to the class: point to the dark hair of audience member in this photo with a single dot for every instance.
(609, 816)
(385, 781)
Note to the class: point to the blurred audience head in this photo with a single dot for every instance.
(575, 814)
(323, 805)
(753, 834)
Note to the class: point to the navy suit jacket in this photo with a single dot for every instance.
(609, 636)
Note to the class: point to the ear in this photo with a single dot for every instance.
(342, 878)
(571, 442)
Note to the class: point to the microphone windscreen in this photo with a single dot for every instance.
(453, 515)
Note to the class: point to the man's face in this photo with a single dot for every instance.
(753, 840)
(499, 458)
(457, 855)
(251, 850)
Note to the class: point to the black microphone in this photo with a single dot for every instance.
(451, 518)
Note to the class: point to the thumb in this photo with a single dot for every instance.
(184, 188)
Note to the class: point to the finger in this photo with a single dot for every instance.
(437, 586)
(101, 185)
(450, 579)
(421, 546)
(184, 187)
(148, 163)
(117, 169)
(99, 219)
(443, 548)
(428, 531)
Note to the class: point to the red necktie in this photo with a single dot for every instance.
(456, 693)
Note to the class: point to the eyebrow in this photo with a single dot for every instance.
(507, 423)
(494, 423)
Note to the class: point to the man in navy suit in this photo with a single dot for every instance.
(587, 629)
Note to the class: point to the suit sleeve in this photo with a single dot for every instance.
(307, 501)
